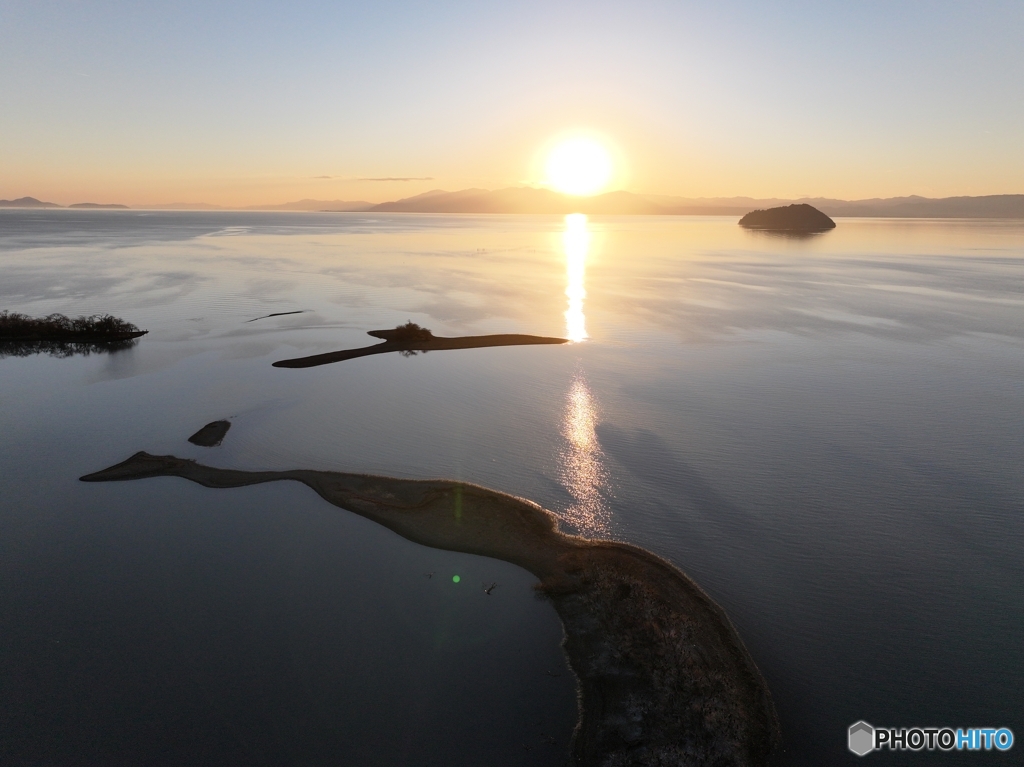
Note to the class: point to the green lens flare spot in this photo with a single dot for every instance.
(456, 579)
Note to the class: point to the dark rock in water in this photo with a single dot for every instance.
(790, 218)
(210, 435)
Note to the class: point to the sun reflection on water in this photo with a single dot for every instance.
(581, 466)
(576, 241)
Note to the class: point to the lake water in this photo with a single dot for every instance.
(826, 433)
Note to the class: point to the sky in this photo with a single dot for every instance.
(266, 102)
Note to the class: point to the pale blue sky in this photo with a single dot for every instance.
(242, 103)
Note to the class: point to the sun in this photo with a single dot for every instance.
(579, 166)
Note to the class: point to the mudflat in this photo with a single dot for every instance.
(663, 675)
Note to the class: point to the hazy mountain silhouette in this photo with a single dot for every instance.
(520, 200)
(27, 202)
(318, 205)
(988, 206)
(183, 206)
(99, 205)
(531, 200)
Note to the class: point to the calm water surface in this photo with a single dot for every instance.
(825, 433)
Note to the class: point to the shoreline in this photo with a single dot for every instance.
(663, 676)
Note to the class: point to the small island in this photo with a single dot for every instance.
(57, 327)
(800, 218)
(61, 336)
(410, 338)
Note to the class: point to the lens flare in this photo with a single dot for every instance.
(576, 242)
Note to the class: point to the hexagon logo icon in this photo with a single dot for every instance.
(861, 738)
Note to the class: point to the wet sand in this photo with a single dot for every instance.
(431, 344)
(663, 676)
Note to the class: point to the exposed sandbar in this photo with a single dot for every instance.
(664, 678)
(431, 344)
(277, 314)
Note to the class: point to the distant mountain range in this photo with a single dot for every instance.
(333, 205)
(527, 200)
(530, 200)
(32, 202)
(27, 202)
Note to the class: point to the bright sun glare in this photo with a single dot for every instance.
(578, 166)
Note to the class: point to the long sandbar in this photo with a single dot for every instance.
(663, 675)
(434, 343)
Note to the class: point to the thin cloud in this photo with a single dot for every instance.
(386, 178)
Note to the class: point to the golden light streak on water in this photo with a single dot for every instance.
(581, 462)
(576, 241)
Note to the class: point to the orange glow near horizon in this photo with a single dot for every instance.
(576, 242)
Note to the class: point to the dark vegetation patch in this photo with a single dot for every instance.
(406, 333)
(61, 336)
(18, 327)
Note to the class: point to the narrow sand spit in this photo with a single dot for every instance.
(429, 344)
(664, 678)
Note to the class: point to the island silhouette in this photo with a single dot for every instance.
(663, 676)
(788, 218)
(410, 338)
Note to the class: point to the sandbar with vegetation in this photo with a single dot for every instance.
(410, 338)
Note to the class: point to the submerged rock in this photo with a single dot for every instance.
(211, 435)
